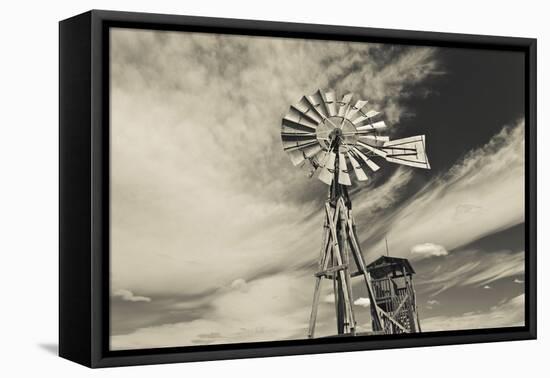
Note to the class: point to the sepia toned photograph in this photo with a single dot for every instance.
(269, 189)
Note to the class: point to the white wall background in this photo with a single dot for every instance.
(28, 185)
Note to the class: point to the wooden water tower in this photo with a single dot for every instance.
(392, 283)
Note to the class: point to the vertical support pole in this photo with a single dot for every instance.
(415, 307)
(340, 307)
(390, 304)
(324, 260)
(313, 316)
(337, 299)
(356, 250)
(343, 316)
(339, 302)
(345, 257)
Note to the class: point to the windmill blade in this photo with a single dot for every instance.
(294, 119)
(294, 146)
(343, 105)
(326, 175)
(311, 151)
(355, 108)
(329, 98)
(372, 126)
(296, 157)
(376, 140)
(343, 173)
(368, 162)
(296, 115)
(300, 152)
(409, 151)
(305, 107)
(361, 175)
(363, 117)
(319, 159)
(317, 104)
(292, 130)
(299, 126)
(327, 171)
(290, 137)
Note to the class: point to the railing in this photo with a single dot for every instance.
(396, 302)
(385, 289)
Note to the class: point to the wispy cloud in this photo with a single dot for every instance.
(505, 265)
(431, 303)
(387, 81)
(462, 205)
(506, 314)
(127, 295)
(272, 308)
(471, 268)
(239, 284)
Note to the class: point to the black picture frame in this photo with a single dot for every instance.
(84, 188)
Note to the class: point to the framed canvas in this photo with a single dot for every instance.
(234, 188)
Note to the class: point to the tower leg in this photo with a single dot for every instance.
(313, 317)
(344, 243)
(340, 308)
(323, 264)
(336, 253)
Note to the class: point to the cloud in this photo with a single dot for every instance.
(380, 196)
(239, 284)
(469, 268)
(505, 265)
(507, 314)
(388, 82)
(362, 301)
(273, 308)
(465, 211)
(462, 205)
(431, 303)
(127, 295)
(429, 249)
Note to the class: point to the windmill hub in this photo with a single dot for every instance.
(335, 133)
(336, 127)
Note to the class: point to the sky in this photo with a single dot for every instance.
(215, 235)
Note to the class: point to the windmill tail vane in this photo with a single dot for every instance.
(334, 137)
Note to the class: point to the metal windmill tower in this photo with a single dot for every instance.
(334, 137)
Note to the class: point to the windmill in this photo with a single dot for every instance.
(333, 137)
